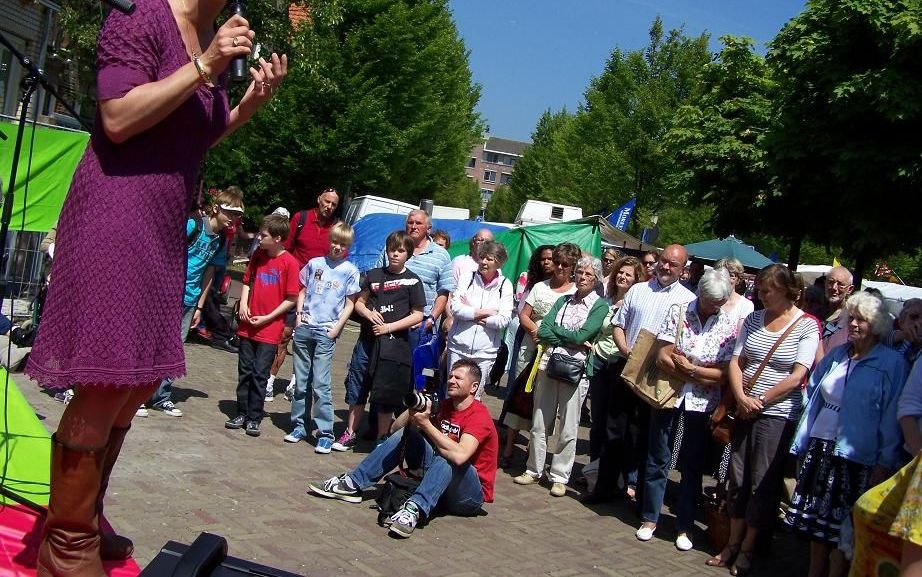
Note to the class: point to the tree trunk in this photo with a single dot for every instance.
(794, 255)
(861, 264)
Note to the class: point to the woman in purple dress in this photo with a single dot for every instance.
(110, 326)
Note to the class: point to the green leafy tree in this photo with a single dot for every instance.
(504, 205)
(612, 148)
(379, 100)
(717, 141)
(850, 122)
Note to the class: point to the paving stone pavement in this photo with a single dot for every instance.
(179, 476)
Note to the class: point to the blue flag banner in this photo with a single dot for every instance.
(621, 216)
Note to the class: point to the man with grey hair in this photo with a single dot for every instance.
(839, 284)
(645, 307)
(465, 265)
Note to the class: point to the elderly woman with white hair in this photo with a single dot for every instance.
(737, 305)
(848, 435)
(700, 338)
(567, 332)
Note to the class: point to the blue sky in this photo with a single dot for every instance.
(534, 55)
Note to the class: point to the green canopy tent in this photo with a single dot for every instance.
(586, 233)
(730, 247)
(26, 447)
(55, 153)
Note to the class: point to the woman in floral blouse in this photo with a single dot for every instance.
(699, 356)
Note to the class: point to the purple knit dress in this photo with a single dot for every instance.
(114, 306)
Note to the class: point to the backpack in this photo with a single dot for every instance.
(197, 231)
(302, 218)
(397, 489)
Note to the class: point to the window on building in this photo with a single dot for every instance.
(556, 212)
(504, 178)
(6, 70)
(490, 157)
(485, 194)
(488, 175)
(472, 162)
(509, 160)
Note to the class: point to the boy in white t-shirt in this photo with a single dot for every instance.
(329, 287)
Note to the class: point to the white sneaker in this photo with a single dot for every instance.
(270, 389)
(168, 408)
(683, 543)
(142, 412)
(645, 533)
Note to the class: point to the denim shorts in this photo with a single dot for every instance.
(357, 386)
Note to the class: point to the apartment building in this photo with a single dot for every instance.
(492, 162)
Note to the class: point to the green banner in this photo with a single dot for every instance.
(24, 444)
(521, 242)
(54, 156)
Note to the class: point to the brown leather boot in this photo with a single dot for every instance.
(112, 546)
(70, 536)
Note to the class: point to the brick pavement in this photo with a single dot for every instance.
(180, 476)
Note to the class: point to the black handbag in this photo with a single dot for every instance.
(562, 367)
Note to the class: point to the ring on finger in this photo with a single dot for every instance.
(234, 42)
(266, 85)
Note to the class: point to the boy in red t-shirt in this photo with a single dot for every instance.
(270, 290)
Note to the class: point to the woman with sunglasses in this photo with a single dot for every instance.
(540, 300)
(648, 260)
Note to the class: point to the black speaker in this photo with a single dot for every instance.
(206, 557)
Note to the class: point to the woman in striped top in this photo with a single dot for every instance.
(768, 407)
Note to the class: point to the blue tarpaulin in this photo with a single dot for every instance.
(372, 230)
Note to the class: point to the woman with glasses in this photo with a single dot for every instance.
(540, 300)
(649, 260)
(567, 331)
(609, 258)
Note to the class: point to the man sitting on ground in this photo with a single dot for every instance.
(456, 452)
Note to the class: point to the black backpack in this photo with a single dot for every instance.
(397, 489)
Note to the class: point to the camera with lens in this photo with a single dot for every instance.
(416, 400)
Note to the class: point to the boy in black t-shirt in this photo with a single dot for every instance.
(391, 301)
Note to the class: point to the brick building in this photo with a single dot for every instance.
(492, 162)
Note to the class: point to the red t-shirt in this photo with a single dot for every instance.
(276, 278)
(477, 422)
(313, 240)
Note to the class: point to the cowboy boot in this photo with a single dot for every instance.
(70, 536)
(112, 546)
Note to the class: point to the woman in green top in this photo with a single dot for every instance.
(568, 329)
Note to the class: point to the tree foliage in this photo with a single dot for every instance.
(850, 120)
(612, 148)
(379, 100)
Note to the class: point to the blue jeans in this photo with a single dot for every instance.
(165, 390)
(456, 487)
(695, 443)
(313, 361)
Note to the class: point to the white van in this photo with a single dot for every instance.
(368, 204)
(540, 212)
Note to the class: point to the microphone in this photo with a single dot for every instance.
(123, 6)
(238, 64)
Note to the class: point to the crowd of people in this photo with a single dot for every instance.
(828, 381)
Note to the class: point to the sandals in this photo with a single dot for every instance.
(718, 561)
(737, 569)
